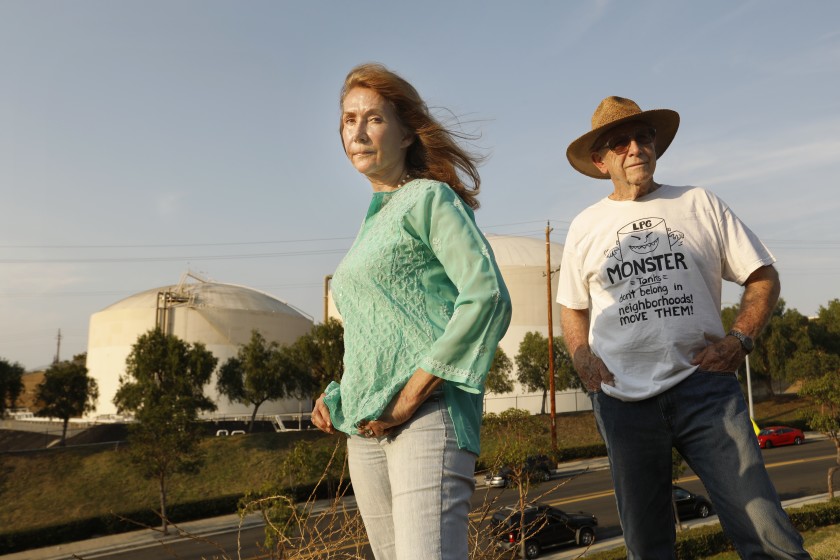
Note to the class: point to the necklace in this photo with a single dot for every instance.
(405, 179)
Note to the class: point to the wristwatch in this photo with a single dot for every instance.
(746, 342)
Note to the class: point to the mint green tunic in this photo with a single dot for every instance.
(419, 288)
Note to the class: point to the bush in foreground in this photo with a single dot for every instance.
(708, 540)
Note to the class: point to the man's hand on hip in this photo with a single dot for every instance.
(726, 354)
(591, 370)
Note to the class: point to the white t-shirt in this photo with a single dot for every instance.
(649, 271)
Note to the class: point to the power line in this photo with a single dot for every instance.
(779, 244)
(128, 292)
(174, 245)
(223, 244)
(178, 258)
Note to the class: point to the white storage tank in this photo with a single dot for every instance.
(221, 316)
(522, 262)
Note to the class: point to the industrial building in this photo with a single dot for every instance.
(221, 316)
(523, 263)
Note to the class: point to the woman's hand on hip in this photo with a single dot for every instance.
(388, 420)
(403, 406)
(321, 416)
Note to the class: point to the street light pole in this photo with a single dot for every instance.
(749, 387)
(553, 416)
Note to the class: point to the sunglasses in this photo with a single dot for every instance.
(620, 143)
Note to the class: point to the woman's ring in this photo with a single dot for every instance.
(369, 432)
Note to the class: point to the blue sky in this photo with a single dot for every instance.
(143, 139)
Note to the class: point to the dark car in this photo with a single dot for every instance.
(774, 436)
(545, 527)
(535, 468)
(690, 504)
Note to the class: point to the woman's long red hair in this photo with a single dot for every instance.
(434, 154)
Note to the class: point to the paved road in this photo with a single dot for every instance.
(799, 474)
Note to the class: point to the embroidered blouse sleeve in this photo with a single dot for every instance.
(481, 313)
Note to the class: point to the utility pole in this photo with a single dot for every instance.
(57, 348)
(553, 415)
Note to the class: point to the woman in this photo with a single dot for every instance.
(424, 307)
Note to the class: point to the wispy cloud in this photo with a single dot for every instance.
(822, 56)
(697, 37)
(828, 36)
(765, 159)
(38, 279)
(770, 164)
(590, 15)
(168, 204)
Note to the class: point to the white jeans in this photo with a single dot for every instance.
(414, 487)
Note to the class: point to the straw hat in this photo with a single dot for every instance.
(614, 111)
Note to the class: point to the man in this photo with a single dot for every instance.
(640, 289)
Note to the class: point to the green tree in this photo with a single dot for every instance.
(809, 363)
(498, 378)
(825, 330)
(785, 334)
(320, 355)
(261, 371)
(67, 391)
(11, 384)
(824, 417)
(532, 365)
(164, 388)
(728, 315)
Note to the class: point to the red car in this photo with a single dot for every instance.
(774, 436)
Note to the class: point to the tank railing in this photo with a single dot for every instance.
(286, 422)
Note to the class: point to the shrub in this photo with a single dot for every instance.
(708, 540)
(811, 516)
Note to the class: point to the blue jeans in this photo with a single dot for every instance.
(706, 419)
(414, 487)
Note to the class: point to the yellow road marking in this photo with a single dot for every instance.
(594, 495)
(795, 461)
(606, 493)
(774, 465)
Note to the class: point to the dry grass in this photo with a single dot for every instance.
(783, 409)
(822, 543)
(315, 530)
(62, 485)
(57, 486)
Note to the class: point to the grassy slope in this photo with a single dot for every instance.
(52, 487)
(823, 544)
